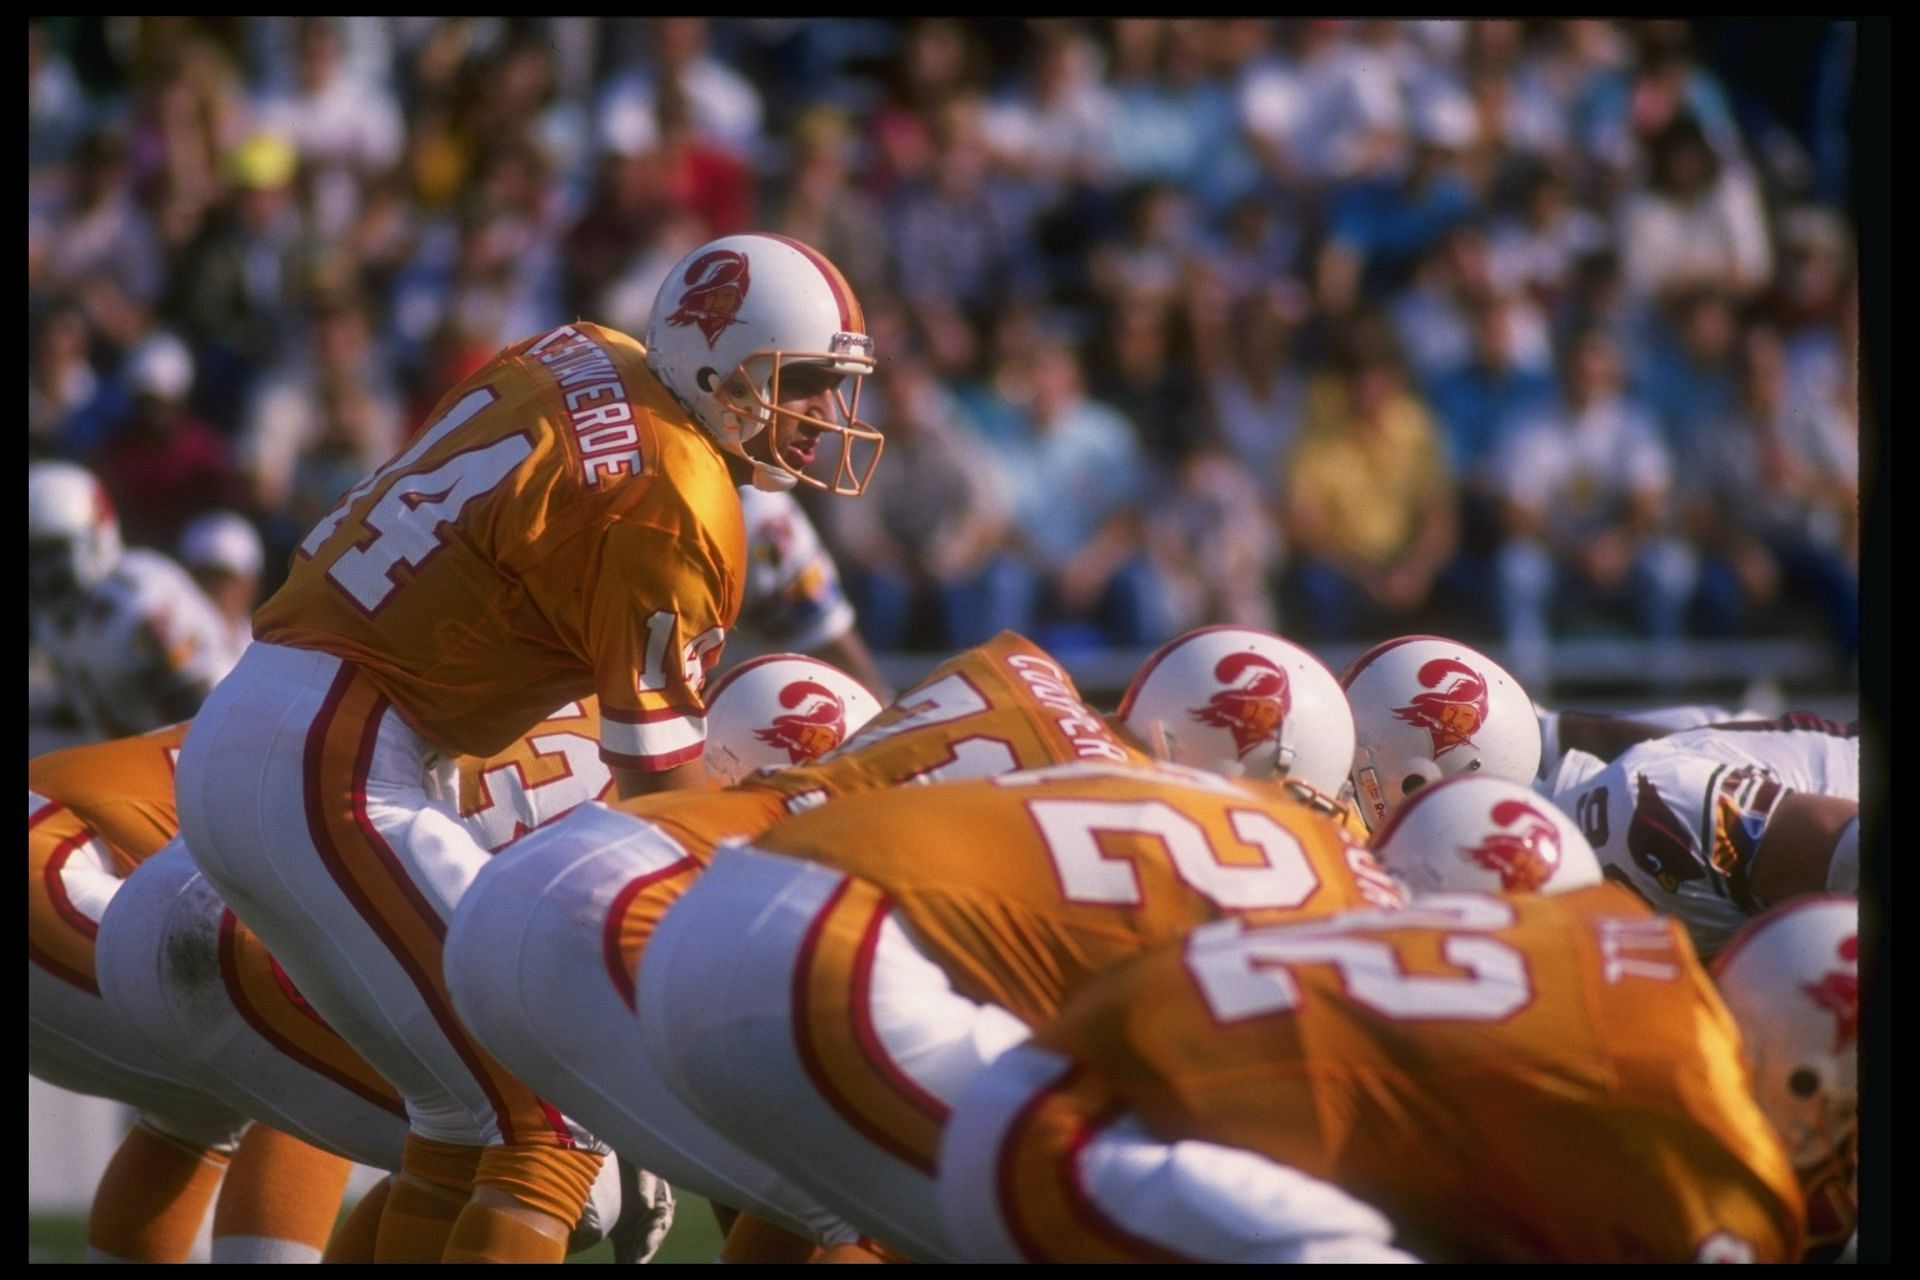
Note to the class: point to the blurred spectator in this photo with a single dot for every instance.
(235, 283)
(1698, 222)
(70, 407)
(56, 106)
(1773, 494)
(1371, 505)
(932, 540)
(1812, 301)
(1691, 377)
(223, 554)
(163, 465)
(1051, 127)
(1433, 315)
(1212, 544)
(723, 107)
(1588, 500)
(1077, 481)
(935, 67)
(343, 125)
(960, 237)
(1149, 258)
(1380, 227)
(97, 231)
(1539, 248)
(1141, 374)
(284, 418)
(1244, 356)
(1482, 399)
(1630, 109)
(1172, 121)
(823, 208)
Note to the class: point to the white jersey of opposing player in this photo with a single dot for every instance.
(143, 651)
(1677, 819)
(794, 600)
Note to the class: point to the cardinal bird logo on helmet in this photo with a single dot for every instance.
(1524, 858)
(1455, 709)
(1256, 700)
(817, 724)
(1839, 994)
(717, 284)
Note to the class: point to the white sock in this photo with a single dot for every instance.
(262, 1249)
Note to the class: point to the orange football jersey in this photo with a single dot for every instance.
(1024, 886)
(546, 772)
(1507, 1079)
(122, 790)
(561, 527)
(991, 710)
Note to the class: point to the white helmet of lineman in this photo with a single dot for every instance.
(1791, 979)
(779, 711)
(736, 317)
(1424, 709)
(1474, 834)
(73, 536)
(1243, 703)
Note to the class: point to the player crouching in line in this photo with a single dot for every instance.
(94, 814)
(1488, 1073)
(881, 949)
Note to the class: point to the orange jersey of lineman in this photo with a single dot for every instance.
(1549, 1079)
(1022, 887)
(546, 773)
(994, 709)
(560, 528)
(109, 802)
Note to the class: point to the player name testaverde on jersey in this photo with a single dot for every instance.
(560, 527)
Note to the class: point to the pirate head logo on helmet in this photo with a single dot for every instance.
(1524, 853)
(816, 725)
(1256, 700)
(1455, 708)
(1838, 992)
(717, 284)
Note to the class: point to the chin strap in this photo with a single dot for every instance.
(772, 479)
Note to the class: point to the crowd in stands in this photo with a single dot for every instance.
(1347, 328)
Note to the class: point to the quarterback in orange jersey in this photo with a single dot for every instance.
(567, 523)
(93, 814)
(543, 949)
(853, 968)
(1505, 1079)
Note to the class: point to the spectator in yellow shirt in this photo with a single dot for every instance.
(1370, 506)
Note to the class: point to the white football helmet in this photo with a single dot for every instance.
(1791, 979)
(1474, 834)
(737, 315)
(1243, 703)
(1424, 709)
(779, 711)
(73, 536)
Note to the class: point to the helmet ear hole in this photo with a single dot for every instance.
(1411, 783)
(1804, 1083)
(706, 378)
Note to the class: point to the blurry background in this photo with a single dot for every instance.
(1538, 333)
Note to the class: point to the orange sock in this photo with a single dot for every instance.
(434, 1183)
(526, 1201)
(280, 1200)
(757, 1240)
(353, 1242)
(151, 1199)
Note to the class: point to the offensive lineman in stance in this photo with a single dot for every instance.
(566, 524)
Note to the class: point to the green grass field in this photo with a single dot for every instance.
(695, 1237)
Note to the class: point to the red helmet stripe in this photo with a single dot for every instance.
(851, 320)
(1372, 655)
(734, 673)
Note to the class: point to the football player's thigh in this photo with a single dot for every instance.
(537, 962)
(305, 804)
(199, 990)
(784, 1003)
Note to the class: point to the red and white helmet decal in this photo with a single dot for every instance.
(1455, 708)
(1254, 703)
(1524, 852)
(717, 285)
(817, 725)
